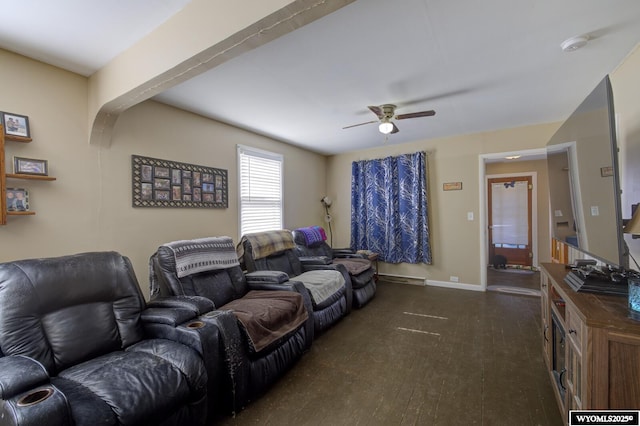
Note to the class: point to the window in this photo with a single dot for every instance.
(260, 177)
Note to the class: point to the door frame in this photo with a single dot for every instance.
(483, 212)
(533, 207)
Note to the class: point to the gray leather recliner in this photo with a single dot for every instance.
(74, 350)
(361, 271)
(250, 363)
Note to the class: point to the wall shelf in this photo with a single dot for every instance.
(31, 177)
(4, 176)
(27, 213)
(13, 138)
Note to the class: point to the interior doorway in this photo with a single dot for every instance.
(510, 220)
(487, 169)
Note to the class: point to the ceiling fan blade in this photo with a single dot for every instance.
(360, 124)
(377, 111)
(415, 114)
(395, 129)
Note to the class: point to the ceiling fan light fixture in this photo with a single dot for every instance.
(386, 113)
(385, 127)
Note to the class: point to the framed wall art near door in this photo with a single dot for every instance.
(166, 183)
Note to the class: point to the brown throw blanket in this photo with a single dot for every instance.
(266, 243)
(268, 315)
(354, 265)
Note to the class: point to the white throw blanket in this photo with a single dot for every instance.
(321, 284)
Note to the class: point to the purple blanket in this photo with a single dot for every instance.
(313, 235)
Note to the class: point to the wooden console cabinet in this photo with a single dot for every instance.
(598, 358)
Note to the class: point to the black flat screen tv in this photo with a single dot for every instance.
(584, 183)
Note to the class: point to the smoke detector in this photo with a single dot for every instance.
(574, 43)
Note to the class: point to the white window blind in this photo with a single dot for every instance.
(260, 190)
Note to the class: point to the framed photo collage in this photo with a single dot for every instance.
(164, 183)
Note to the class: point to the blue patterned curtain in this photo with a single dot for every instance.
(389, 208)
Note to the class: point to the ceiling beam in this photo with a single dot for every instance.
(203, 35)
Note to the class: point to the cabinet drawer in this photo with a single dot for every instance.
(575, 328)
(544, 284)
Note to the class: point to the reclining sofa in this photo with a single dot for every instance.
(262, 319)
(328, 285)
(74, 351)
(311, 241)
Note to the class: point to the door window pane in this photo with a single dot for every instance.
(509, 212)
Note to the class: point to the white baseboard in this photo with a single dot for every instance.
(461, 286)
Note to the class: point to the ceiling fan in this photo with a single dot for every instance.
(386, 113)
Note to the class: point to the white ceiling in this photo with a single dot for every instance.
(481, 65)
(80, 35)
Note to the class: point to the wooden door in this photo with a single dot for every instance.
(510, 215)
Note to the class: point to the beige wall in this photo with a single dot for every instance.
(66, 217)
(455, 241)
(89, 207)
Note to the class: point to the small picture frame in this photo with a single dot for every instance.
(30, 166)
(15, 124)
(452, 186)
(162, 184)
(163, 195)
(162, 172)
(176, 192)
(17, 200)
(146, 173)
(606, 171)
(176, 176)
(186, 186)
(146, 191)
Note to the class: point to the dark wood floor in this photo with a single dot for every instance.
(419, 356)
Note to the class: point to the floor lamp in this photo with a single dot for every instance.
(326, 202)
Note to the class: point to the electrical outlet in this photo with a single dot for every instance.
(453, 279)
